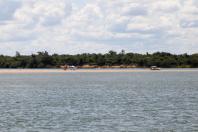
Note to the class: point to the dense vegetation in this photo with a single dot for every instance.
(44, 60)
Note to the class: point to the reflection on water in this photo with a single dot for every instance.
(99, 102)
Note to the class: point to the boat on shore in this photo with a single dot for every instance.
(67, 67)
(155, 68)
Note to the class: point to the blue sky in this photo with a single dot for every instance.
(78, 26)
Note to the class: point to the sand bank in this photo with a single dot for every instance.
(18, 71)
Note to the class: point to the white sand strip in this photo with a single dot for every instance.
(18, 71)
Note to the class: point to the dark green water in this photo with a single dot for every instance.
(99, 102)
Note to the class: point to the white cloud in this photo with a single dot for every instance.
(8, 7)
(168, 6)
(67, 26)
(45, 13)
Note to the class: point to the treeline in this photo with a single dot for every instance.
(112, 58)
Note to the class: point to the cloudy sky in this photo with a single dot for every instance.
(76, 26)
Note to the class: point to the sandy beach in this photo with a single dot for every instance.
(23, 71)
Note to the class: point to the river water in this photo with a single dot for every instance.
(99, 102)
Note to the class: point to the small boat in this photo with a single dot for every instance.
(67, 67)
(72, 68)
(154, 68)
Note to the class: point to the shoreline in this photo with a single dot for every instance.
(26, 71)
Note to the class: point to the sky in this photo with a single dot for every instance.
(97, 26)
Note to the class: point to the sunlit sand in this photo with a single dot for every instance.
(18, 71)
